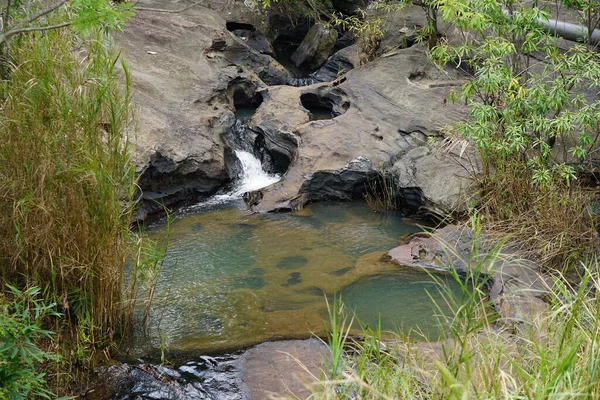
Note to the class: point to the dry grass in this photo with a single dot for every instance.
(553, 225)
(65, 177)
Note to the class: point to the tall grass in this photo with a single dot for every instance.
(65, 177)
(555, 356)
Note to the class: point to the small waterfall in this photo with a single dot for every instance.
(253, 176)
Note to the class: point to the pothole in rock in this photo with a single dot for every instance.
(246, 105)
(322, 107)
(239, 28)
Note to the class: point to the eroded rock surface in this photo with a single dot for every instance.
(186, 68)
(385, 110)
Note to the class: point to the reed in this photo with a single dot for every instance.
(66, 181)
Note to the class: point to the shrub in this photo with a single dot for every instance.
(20, 329)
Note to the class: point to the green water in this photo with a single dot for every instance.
(232, 279)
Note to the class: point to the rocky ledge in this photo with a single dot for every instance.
(283, 369)
(191, 69)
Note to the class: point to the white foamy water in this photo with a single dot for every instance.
(253, 175)
(253, 178)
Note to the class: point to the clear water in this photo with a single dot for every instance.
(232, 279)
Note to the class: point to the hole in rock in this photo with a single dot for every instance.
(239, 26)
(321, 107)
(246, 105)
(284, 46)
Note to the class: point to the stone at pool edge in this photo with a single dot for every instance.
(517, 285)
(283, 368)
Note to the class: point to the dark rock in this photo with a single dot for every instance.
(294, 279)
(316, 47)
(341, 271)
(347, 183)
(340, 63)
(349, 6)
(207, 378)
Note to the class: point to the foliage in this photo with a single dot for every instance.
(296, 9)
(20, 329)
(529, 117)
(66, 182)
(590, 16)
(367, 29)
(84, 15)
(381, 192)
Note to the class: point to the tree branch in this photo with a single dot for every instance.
(21, 25)
(42, 28)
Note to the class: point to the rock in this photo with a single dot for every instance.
(180, 102)
(516, 286)
(316, 47)
(283, 369)
(381, 116)
(276, 139)
(205, 378)
(349, 6)
(338, 64)
(347, 183)
(445, 180)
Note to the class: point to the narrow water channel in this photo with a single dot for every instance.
(232, 279)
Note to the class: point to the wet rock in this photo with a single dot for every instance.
(205, 379)
(278, 369)
(316, 47)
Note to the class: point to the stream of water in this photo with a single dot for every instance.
(231, 279)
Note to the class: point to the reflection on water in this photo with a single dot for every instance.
(232, 278)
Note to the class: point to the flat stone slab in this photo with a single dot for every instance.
(283, 369)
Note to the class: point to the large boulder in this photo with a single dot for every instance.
(444, 180)
(316, 47)
(380, 113)
(180, 101)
